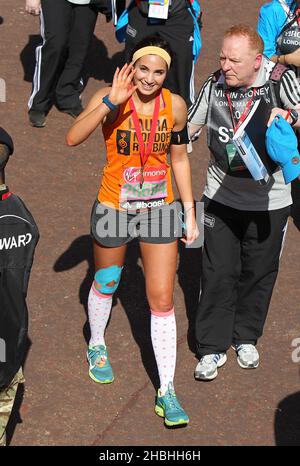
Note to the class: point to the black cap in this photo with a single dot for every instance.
(7, 140)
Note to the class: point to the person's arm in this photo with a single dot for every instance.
(33, 7)
(182, 172)
(288, 59)
(194, 131)
(97, 112)
(197, 113)
(290, 98)
(286, 115)
(271, 20)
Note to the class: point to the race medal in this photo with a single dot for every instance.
(145, 151)
(235, 162)
(158, 9)
(145, 186)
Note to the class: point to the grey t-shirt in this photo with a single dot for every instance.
(245, 193)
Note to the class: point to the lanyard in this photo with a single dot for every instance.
(245, 112)
(145, 151)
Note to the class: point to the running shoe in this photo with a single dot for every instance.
(37, 119)
(73, 112)
(100, 369)
(168, 406)
(207, 367)
(247, 355)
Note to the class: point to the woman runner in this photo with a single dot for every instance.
(141, 123)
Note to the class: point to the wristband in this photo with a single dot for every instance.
(287, 116)
(293, 114)
(108, 103)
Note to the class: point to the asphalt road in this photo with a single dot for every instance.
(59, 404)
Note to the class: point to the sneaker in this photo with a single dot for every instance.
(247, 355)
(74, 112)
(100, 369)
(37, 119)
(168, 406)
(207, 367)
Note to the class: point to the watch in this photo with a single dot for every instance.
(109, 104)
(294, 116)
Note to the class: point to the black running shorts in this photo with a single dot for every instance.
(112, 228)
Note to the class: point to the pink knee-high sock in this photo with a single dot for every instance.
(164, 342)
(99, 307)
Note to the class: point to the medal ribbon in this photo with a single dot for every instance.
(243, 115)
(145, 151)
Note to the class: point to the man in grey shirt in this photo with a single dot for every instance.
(244, 221)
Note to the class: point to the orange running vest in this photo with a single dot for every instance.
(120, 186)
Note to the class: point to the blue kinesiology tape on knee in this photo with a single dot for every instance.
(107, 275)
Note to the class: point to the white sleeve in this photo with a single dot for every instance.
(114, 11)
(198, 111)
(289, 90)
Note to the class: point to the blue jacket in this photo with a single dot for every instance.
(272, 19)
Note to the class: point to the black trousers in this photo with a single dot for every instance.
(66, 30)
(177, 30)
(240, 265)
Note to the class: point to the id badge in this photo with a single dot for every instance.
(158, 9)
(234, 160)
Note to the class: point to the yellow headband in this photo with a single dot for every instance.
(152, 50)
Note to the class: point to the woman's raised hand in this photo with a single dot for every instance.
(122, 86)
